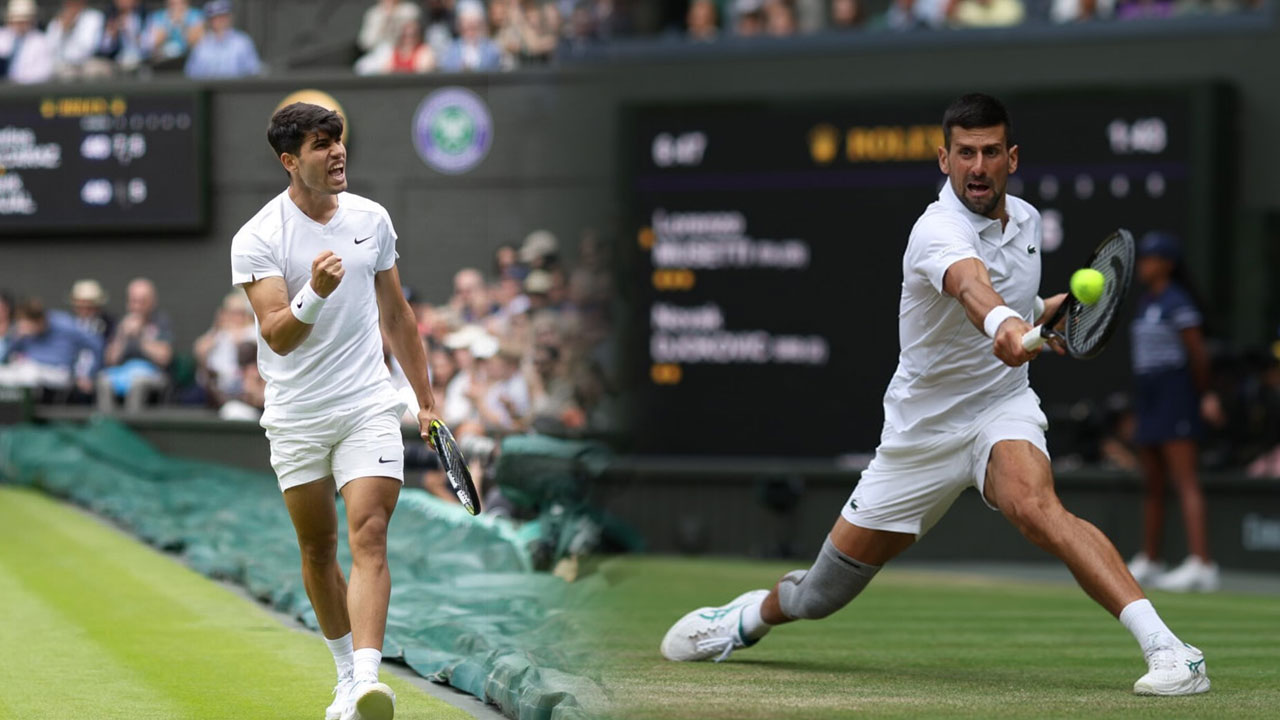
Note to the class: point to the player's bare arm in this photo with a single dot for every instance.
(401, 328)
(281, 328)
(970, 284)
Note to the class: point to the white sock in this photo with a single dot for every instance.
(753, 626)
(341, 649)
(1144, 622)
(366, 664)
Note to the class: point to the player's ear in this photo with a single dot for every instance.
(289, 161)
(1013, 159)
(943, 161)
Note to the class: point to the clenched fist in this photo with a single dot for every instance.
(326, 273)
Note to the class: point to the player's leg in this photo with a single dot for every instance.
(850, 557)
(300, 453)
(908, 487)
(1019, 482)
(370, 502)
(315, 521)
(1198, 572)
(368, 465)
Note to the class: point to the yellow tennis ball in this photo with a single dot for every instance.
(1087, 285)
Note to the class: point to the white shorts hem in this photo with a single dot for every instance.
(306, 475)
(866, 523)
(356, 474)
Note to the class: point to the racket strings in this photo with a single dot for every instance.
(1090, 326)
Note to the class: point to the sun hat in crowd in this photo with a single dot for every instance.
(484, 346)
(21, 10)
(88, 290)
(538, 282)
(537, 245)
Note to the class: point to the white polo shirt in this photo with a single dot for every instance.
(947, 374)
(340, 364)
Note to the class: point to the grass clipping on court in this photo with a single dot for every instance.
(465, 608)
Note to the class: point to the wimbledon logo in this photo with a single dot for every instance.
(452, 130)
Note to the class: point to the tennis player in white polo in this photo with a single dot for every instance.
(959, 412)
(319, 266)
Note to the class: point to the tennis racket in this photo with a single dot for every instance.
(455, 466)
(1088, 327)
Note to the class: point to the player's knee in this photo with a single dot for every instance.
(319, 551)
(1033, 515)
(833, 582)
(368, 536)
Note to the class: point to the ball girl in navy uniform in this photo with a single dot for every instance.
(1171, 369)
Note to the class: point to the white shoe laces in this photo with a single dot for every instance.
(725, 645)
(719, 642)
(1163, 659)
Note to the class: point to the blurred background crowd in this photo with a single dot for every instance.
(521, 346)
(83, 39)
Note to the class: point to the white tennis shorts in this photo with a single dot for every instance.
(915, 476)
(359, 442)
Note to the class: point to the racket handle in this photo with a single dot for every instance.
(1032, 340)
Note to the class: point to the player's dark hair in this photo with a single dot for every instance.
(973, 111)
(291, 124)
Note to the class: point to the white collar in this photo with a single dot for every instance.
(948, 198)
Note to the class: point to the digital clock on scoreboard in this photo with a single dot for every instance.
(77, 163)
(765, 245)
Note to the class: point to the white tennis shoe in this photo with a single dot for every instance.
(1174, 669)
(341, 698)
(1144, 569)
(371, 701)
(710, 632)
(1193, 575)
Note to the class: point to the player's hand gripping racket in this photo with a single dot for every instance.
(1088, 327)
(455, 466)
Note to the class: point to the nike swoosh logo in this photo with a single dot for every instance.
(362, 240)
(385, 461)
(299, 304)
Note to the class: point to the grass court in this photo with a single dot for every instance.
(97, 625)
(917, 644)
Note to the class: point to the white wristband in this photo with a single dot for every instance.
(998, 315)
(306, 305)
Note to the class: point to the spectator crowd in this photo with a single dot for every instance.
(123, 38)
(708, 20)
(521, 346)
(83, 39)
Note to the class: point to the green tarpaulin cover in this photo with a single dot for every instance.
(466, 607)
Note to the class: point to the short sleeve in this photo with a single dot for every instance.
(252, 259)
(936, 244)
(1182, 311)
(387, 245)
